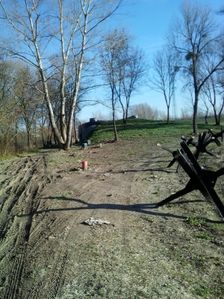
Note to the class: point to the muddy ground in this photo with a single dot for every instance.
(175, 251)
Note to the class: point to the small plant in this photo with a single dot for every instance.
(195, 221)
(204, 236)
(217, 226)
(202, 291)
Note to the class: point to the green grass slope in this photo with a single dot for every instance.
(142, 128)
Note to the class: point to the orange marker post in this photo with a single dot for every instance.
(84, 165)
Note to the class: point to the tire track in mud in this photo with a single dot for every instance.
(48, 238)
(50, 286)
(24, 181)
(56, 271)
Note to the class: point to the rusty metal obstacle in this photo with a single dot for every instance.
(200, 179)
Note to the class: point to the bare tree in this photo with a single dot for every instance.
(205, 109)
(211, 90)
(111, 54)
(164, 76)
(27, 99)
(8, 107)
(133, 72)
(129, 68)
(123, 70)
(195, 39)
(67, 28)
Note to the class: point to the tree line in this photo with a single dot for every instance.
(53, 55)
(194, 53)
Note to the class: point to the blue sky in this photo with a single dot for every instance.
(148, 22)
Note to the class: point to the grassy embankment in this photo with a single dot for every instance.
(158, 130)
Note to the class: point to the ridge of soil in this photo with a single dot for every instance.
(175, 251)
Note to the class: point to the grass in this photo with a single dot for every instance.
(7, 157)
(141, 128)
(204, 236)
(195, 221)
(217, 226)
(202, 291)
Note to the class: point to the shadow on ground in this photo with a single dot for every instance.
(144, 208)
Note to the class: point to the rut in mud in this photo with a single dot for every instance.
(23, 181)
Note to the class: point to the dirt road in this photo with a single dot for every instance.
(46, 251)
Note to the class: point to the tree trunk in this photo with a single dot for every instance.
(218, 122)
(41, 71)
(168, 114)
(16, 139)
(115, 127)
(72, 110)
(124, 118)
(220, 112)
(57, 134)
(28, 130)
(195, 114)
(206, 117)
(113, 101)
(42, 136)
(77, 85)
(126, 111)
(28, 139)
(62, 112)
(63, 76)
(215, 115)
(122, 107)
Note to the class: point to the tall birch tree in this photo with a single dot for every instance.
(52, 36)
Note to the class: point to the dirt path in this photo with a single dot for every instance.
(46, 251)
